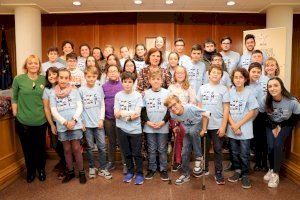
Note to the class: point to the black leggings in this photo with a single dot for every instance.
(33, 141)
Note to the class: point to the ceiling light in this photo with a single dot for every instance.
(169, 2)
(76, 3)
(138, 2)
(230, 3)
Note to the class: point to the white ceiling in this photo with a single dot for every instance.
(91, 6)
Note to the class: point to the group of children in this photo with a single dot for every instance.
(95, 102)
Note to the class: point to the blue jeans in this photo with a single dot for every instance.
(240, 155)
(157, 142)
(95, 134)
(191, 140)
(275, 146)
(217, 144)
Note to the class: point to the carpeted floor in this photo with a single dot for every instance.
(100, 188)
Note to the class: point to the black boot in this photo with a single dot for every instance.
(30, 177)
(69, 175)
(42, 175)
(82, 178)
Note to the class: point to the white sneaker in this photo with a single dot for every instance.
(182, 179)
(268, 175)
(274, 181)
(105, 174)
(198, 166)
(92, 172)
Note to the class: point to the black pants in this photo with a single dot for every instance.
(57, 145)
(33, 141)
(260, 140)
(131, 145)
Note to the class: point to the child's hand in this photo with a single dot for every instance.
(276, 131)
(221, 132)
(235, 127)
(53, 129)
(151, 124)
(238, 132)
(71, 124)
(202, 133)
(160, 124)
(83, 127)
(176, 129)
(118, 115)
(134, 116)
(100, 124)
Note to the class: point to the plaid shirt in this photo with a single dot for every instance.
(143, 79)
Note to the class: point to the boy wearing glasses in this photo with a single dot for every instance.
(191, 117)
(231, 58)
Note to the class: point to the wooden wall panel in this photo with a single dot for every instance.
(194, 28)
(156, 24)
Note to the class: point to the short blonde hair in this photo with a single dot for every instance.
(91, 69)
(155, 73)
(171, 98)
(271, 59)
(32, 57)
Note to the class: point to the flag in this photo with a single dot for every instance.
(5, 68)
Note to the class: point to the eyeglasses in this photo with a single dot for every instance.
(33, 85)
(225, 43)
(172, 106)
(113, 71)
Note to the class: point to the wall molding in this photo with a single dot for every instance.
(11, 173)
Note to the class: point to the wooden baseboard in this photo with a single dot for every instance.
(11, 173)
(292, 171)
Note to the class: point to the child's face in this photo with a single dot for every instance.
(111, 60)
(140, 51)
(127, 85)
(155, 58)
(257, 57)
(84, 51)
(217, 60)
(179, 47)
(238, 79)
(155, 82)
(91, 78)
(215, 75)
(250, 44)
(270, 68)
(63, 79)
(113, 74)
(52, 77)
(124, 52)
(173, 60)
(129, 67)
(52, 56)
(175, 107)
(196, 55)
(97, 54)
(107, 51)
(255, 74)
(274, 88)
(67, 49)
(159, 42)
(91, 61)
(71, 63)
(209, 47)
(179, 74)
(225, 45)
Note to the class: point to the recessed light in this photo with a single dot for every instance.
(138, 2)
(169, 2)
(76, 3)
(230, 3)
